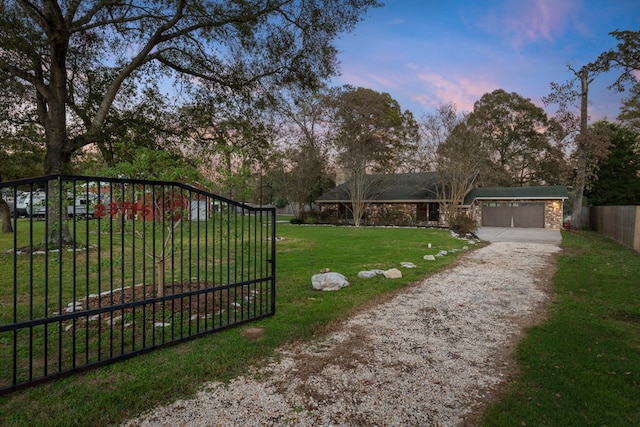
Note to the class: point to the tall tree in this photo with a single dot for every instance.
(298, 176)
(625, 57)
(630, 110)
(79, 56)
(590, 146)
(434, 128)
(459, 159)
(617, 178)
(369, 131)
(75, 59)
(512, 129)
(455, 151)
(304, 172)
(232, 134)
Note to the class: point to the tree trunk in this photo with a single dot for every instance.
(358, 193)
(583, 147)
(58, 233)
(5, 217)
(52, 112)
(160, 284)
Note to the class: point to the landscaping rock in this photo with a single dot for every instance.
(368, 274)
(393, 273)
(407, 265)
(429, 258)
(161, 324)
(328, 281)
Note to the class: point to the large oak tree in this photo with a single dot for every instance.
(370, 132)
(76, 57)
(74, 60)
(512, 130)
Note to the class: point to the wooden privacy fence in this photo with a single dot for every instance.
(621, 223)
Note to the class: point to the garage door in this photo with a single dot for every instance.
(525, 215)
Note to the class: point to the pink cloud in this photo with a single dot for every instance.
(440, 89)
(530, 21)
(414, 85)
(383, 80)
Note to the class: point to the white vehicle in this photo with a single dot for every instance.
(34, 204)
(20, 206)
(83, 206)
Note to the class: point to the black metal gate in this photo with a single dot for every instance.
(98, 269)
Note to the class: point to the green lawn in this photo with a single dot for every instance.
(582, 366)
(116, 392)
(112, 255)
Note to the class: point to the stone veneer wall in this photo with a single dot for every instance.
(400, 214)
(405, 214)
(553, 214)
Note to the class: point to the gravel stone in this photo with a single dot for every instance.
(433, 354)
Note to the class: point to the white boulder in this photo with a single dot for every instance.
(393, 273)
(407, 265)
(368, 274)
(328, 281)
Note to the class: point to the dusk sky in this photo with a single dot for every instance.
(425, 53)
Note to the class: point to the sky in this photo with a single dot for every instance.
(426, 53)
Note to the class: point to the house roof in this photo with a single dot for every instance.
(519, 193)
(405, 187)
(425, 187)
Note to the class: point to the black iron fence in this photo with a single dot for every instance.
(97, 270)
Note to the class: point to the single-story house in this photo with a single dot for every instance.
(415, 199)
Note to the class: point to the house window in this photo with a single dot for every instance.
(422, 212)
(428, 212)
(343, 210)
(434, 211)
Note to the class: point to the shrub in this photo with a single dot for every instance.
(462, 224)
(310, 217)
(306, 217)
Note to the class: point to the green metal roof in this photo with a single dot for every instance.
(520, 193)
(423, 187)
(391, 188)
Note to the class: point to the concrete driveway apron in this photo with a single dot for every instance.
(530, 235)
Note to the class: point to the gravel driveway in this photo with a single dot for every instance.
(433, 354)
